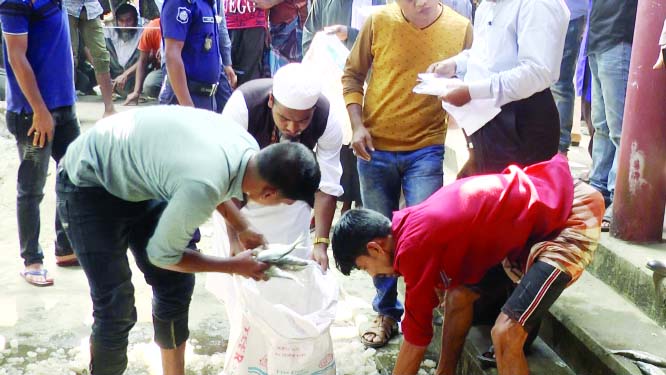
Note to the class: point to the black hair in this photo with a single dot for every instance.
(292, 169)
(126, 8)
(352, 233)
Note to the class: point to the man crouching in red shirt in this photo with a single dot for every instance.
(476, 238)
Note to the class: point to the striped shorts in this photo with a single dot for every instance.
(536, 292)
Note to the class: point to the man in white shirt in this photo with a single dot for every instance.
(122, 43)
(291, 108)
(514, 59)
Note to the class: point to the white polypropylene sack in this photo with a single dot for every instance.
(278, 326)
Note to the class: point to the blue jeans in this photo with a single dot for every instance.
(215, 103)
(610, 72)
(563, 90)
(102, 227)
(34, 164)
(417, 174)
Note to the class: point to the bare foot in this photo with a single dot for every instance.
(109, 112)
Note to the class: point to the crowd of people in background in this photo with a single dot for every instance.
(532, 58)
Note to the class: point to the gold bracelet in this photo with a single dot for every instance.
(319, 240)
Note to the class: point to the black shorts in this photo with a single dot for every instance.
(525, 302)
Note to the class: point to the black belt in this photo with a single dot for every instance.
(207, 89)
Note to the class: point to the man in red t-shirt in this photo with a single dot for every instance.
(149, 62)
(475, 239)
(246, 22)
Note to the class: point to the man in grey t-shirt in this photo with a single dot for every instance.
(145, 180)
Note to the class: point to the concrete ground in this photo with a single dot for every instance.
(45, 330)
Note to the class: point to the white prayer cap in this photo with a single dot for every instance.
(296, 86)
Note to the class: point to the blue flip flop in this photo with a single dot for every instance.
(41, 272)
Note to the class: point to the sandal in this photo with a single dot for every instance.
(36, 277)
(383, 327)
(67, 261)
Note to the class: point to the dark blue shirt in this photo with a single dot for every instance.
(49, 54)
(194, 24)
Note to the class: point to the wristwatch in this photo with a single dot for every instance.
(319, 240)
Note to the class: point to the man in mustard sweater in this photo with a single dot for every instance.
(398, 135)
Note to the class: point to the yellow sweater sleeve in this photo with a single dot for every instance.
(357, 66)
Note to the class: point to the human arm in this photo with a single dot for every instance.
(175, 29)
(167, 247)
(458, 313)
(121, 80)
(17, 46)
(328, 158)
(540, 35)
(355, 72)
(225, 51)
(247, 237)
(409, 359)
(176, 71)
(133, 97)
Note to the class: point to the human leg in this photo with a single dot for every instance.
(380, 190)
(247, 52)
(153, 83)
(93, 38)
(613, 71)
(33, 165)
(172, 292)
(97, 224)
(458, 315)
(66, 131)
(563, 89)
(537, 291)
(422, 173)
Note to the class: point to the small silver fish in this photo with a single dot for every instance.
(648, 369)
(276, 252)
(641, 356)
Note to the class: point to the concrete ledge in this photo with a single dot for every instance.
(621, 265)
(589, 319)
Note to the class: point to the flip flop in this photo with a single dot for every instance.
(36, 282)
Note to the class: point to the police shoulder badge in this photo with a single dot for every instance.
(183, 15)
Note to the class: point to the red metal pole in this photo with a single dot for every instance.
(640, 190)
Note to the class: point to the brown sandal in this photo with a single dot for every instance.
(383, 327)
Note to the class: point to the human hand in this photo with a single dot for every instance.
(445, 68)
(42, 128)
(320, 256)
(361, 142)
(119, 82)
(247, 265)
(231, 76)
(340, 31)
(251, 239)
(132, 99)
(459, 96)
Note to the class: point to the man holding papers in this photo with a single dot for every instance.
(514, 60)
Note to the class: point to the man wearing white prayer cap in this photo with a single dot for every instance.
(290, 107)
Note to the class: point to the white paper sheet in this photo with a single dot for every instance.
(472, 116)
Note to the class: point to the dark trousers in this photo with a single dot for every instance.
(33, 166)
(102, 227)
(247, 51)
(523, 133)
